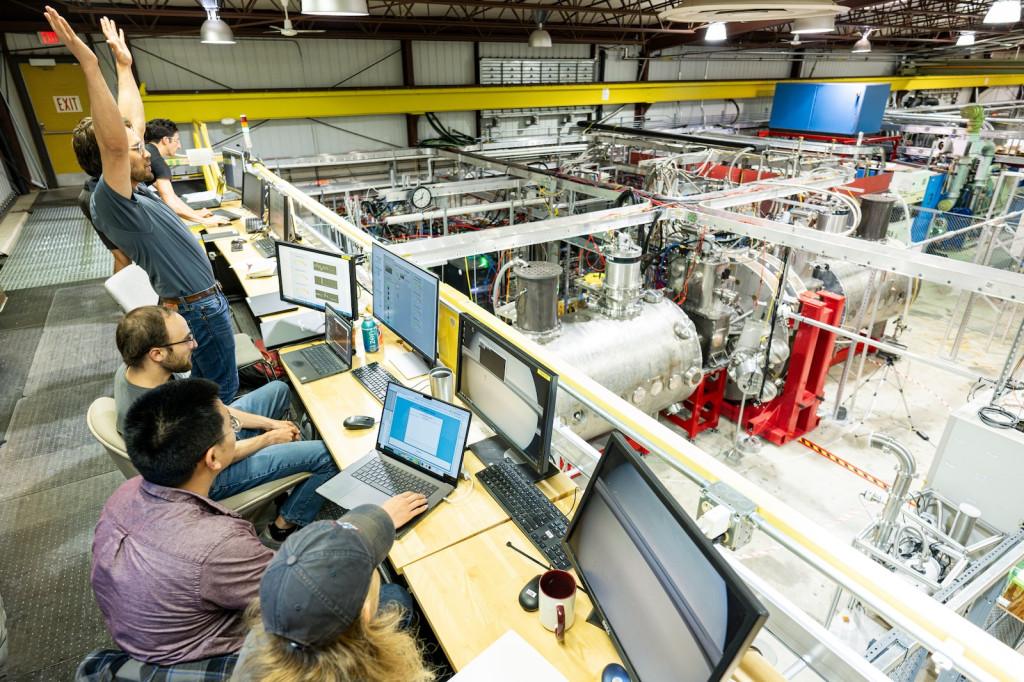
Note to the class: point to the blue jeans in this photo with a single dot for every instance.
(278, 461)
(396, 595)
(209, 319)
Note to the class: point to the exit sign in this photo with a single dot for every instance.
(48, 38)
(68, 104)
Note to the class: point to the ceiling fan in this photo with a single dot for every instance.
(288, 30)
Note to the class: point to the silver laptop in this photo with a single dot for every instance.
(321, 360)
(420, 445)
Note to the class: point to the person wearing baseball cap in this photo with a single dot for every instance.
(317, 616)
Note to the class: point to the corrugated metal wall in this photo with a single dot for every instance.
(185, 64)
(844, 65)
(524, 51)
(443, 63)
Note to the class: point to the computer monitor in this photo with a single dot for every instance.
(512, 392)
(674, 608)
(252, 194)
(279, 215)
(405, 300)
(234, 168)
(313, 278)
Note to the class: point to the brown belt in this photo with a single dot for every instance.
(173, 303)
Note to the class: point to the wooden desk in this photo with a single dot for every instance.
(470, 595)
(238, 259)
(330, 400)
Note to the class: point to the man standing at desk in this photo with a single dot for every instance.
(162, 140)
(134, 217)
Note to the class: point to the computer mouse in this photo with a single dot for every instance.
(613, 672)
(529, 598)
(358, 421)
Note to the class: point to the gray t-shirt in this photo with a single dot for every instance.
(150, 233)
(125, 393)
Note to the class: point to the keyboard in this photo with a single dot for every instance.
(265, 245)
(535, 514)
(392, 480)
(323, 359)
(375, 379)
(253, 225)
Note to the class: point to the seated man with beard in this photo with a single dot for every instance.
(155, 342)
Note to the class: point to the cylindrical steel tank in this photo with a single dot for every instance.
(876, 211)
(537, 303)
(652, 360)
(851, 280)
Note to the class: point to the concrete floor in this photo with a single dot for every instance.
(829, 494)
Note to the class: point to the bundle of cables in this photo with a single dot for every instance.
(447, 137)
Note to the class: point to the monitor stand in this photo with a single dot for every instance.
(495, 449)
(410, 364)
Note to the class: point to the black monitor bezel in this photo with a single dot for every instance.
(753, 612)
(431, 359)
(548, 427)
(312, 306)
(286, 229)
(262, 207)
(234, 153)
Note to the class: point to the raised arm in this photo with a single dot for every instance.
(129, 101)
(111, 135)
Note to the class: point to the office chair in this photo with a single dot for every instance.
(130, 289)
(250, 504)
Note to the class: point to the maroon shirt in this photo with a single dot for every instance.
(172, 571)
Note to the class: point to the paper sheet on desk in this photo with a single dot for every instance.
(509, 659)
(254, 269)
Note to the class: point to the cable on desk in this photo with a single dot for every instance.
(462, 497)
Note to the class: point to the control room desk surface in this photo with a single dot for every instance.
(330, 400)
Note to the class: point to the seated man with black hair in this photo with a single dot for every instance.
(172, 570)
(154, 342)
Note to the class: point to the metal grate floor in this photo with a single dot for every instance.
(57, 246)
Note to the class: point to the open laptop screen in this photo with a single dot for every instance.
(427, 433)
(338, 334)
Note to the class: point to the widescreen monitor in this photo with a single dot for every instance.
(234, 168)
(313, 278)
(512, 392)
(279, 215)
(674, 608)
(405, 300)
(252, 194)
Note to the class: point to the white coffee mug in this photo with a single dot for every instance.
(557, 605)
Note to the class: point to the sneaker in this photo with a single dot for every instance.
(270, 542)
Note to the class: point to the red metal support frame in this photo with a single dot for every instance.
(704, 404)
(795, 412)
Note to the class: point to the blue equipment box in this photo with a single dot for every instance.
(829, 108)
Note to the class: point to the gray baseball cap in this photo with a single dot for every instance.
(314, 588)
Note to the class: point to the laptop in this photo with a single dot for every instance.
(291, 329)
(334, 356)
(420, 445)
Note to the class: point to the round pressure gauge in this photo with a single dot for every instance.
(421, 197)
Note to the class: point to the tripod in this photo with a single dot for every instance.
(883, 371)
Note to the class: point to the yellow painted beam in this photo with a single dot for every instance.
(213, 106)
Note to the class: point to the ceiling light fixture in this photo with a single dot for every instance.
(814, 25)
(1003, 12)
(709, 11)
(966, 38)
(539, 37)
(863, 45)
(214, 30)
(716, 32)
(335, 8)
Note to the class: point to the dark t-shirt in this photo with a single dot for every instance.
(158, 165)
(83, 203)
(149, 233)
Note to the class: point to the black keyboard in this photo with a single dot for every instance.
(392, 480)
(265, 246)
(535, 514)
(375, 379)
(253, 225)
(323, 359)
